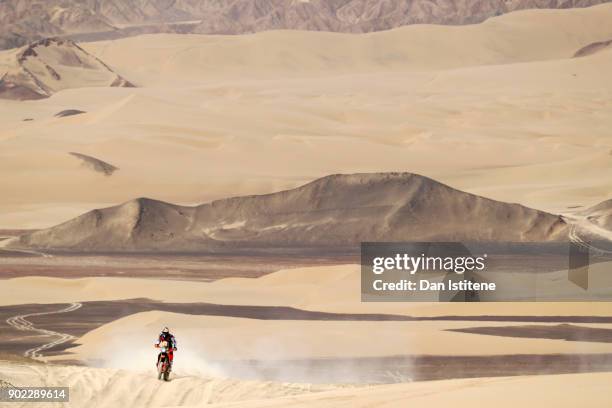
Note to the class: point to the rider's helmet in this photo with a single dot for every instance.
(165, 330)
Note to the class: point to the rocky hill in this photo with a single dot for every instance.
(334, 211)
(50, 65)
(22, 21)
(362, 15)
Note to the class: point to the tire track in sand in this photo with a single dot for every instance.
(21, 323)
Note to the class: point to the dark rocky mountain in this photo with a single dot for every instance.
(331, 212)
(22, 21)
(50, 65)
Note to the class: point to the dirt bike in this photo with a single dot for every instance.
(163, 364)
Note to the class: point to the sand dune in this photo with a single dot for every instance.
(526, 36)
(557, 391)
(95, 164)
(209, 345)
(601, 214)
(499, 110)
(69, 112)
(227, 115)
(593, 48)
(111, 388)
(139, 390)
(327, 289)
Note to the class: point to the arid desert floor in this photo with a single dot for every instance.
(503, 109)
(300, 332)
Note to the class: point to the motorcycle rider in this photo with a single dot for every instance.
(170, 340)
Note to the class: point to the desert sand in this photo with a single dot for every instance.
(333, 289)
(323, 289)
(545, 391)
(484, 108)
(111, 388)
(205, 338)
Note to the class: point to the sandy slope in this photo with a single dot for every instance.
(525, 36)
(224, 116)
(321, 289)
(601, 214)
(120, 346)
(558, 391)
(111, 388)
(99, 388)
